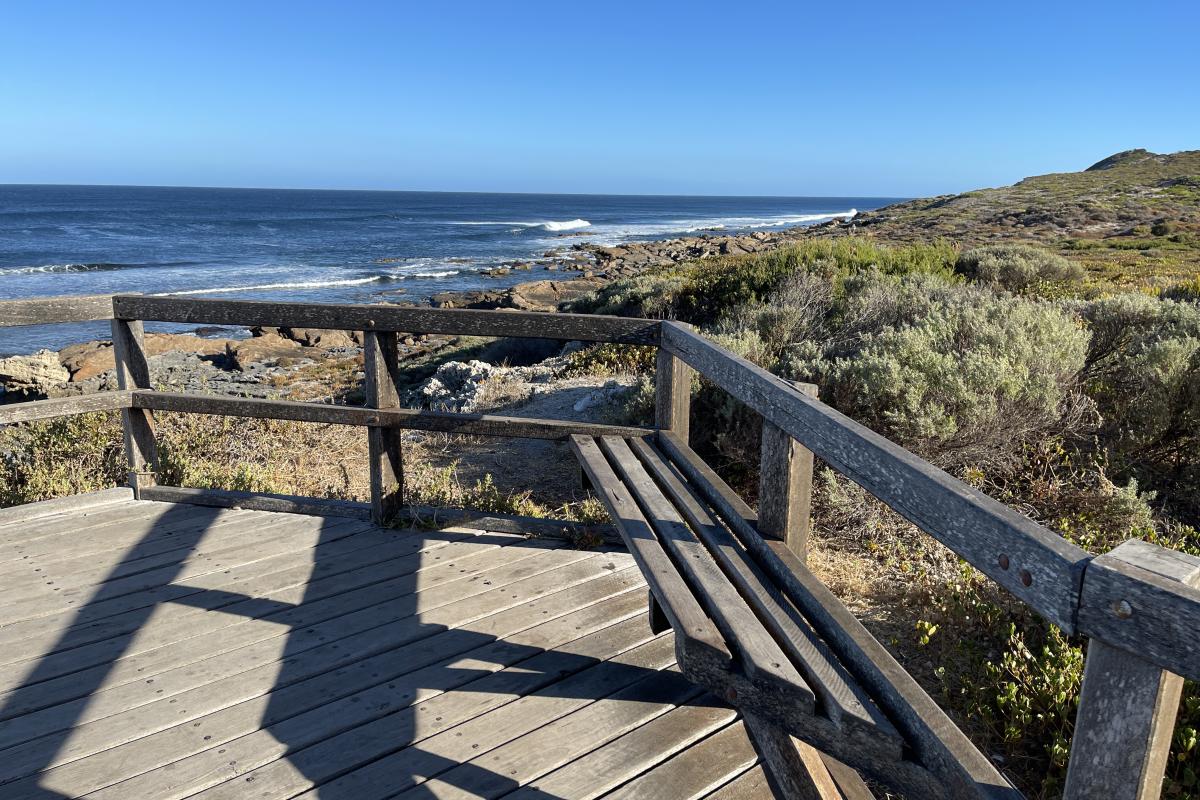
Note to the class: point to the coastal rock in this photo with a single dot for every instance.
(325, 339)
(92, 359)
(457, 386)
(549, 295)
(259, 350)
(32, 376)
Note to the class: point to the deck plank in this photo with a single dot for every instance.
(696, 771)
(167, 652)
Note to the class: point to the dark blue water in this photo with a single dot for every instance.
(327, 246)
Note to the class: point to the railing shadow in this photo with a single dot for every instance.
(357, 659)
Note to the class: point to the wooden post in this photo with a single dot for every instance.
(795, 769)
(785, 485)
(381, 363)
(133, 372)
(1128, 705)
(672, 395)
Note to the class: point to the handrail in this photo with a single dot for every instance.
(1140, 604)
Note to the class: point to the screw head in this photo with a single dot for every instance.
(1122, 609)
(731, 695)
(1026, 577)
(1003, 561)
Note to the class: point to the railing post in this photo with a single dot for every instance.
(380, 365)
(672, 395)
(133, 372)
(785, 485)
(1127, 706)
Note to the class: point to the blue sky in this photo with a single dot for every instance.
(792, 98)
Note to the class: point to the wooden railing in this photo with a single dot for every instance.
(1139, 604)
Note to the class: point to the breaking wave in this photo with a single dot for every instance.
(546, 225)
(57, 268)
(295, 285)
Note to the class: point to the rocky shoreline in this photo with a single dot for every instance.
(270, 357)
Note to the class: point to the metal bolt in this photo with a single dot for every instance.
(731, 695)
(1026, 578)
(1003, 561)
(1122, 609)
(370, 323)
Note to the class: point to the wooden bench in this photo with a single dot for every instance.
(753, 625)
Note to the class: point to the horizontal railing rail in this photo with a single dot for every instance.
(1139, 604)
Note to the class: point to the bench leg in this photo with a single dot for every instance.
(794, 770)
(658, 620)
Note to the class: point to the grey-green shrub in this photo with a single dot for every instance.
(1016, 267)
(962, 375)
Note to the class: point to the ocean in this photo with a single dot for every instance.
(326, 246)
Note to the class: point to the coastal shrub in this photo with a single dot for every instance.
(1143, 372)
(961, 375)
(1017, 267)
(58, 457)
(1188, 290)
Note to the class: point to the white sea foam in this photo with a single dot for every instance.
(296, 285)
(546, 225)
(53, 268)
(445, 273)
(612, 234)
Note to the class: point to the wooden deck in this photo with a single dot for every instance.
(154, 651)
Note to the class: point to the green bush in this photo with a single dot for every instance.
(1188, 290)
(1017, 267)
(59, 457)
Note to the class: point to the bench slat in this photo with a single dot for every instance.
(843, 700)
(761, 657)
(694, 631)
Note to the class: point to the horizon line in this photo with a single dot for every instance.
(446, 191)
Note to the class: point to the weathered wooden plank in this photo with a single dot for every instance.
(940, 747)
(532, 754)
(414, 419)
(672, 395)
(760, 656)
(425, 701)
(851, 784)
(794, 768)
(607, 767)
(385, 462)
(133, 372)
(750, 785)
(256, 501)
(1128, 703)
(457, 322)
(47, 310)
(696, 771)
(732, 508)
(424, 516)
(24, 514)
(690, 622)
(785, 485)
(1037, 566)
(226, 681)
(64, 407)
(1145, 599)
(842, 699)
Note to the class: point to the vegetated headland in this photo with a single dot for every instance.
(1040, 341)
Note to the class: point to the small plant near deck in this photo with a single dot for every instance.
(59, 457)
(611, 359)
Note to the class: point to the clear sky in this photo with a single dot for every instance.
(789, 98)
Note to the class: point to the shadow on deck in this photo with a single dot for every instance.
(152, 650)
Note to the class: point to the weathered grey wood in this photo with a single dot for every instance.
(760, 655)
(672, 395)
(568, 327)
(655, 615)
(64, 505)
(785, 485)
(413, 419)
(381, 366)
(425, 516)
(608, 767)
(750, 785)
(694, 631)
(795, 770)
(253, 501)
(1144, 599)
(851, 784)
(842, 699)
(47, 310)
(64, 407)
(939, 746)
(1043, 569)
(696, 771)
(732, 508)
(560, 656)
(1128, 703)
(133, 372)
